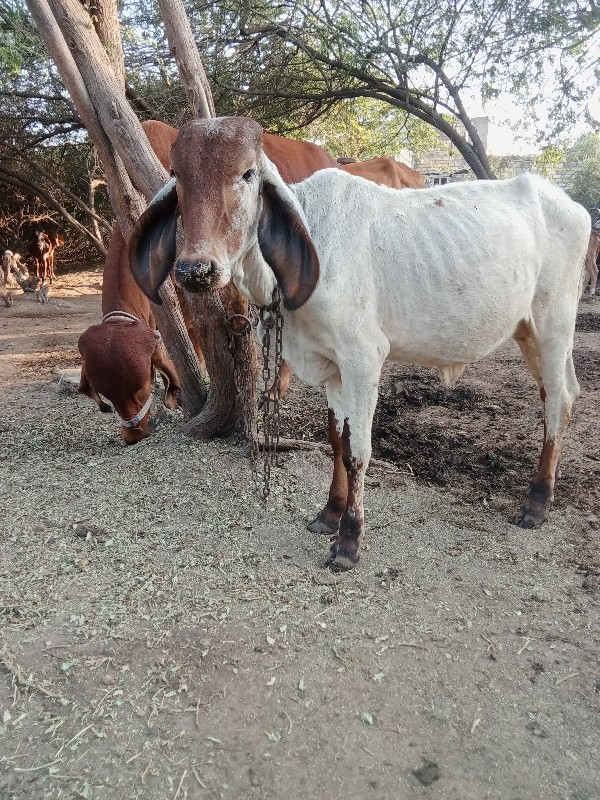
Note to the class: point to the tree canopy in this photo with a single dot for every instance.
(362, 78)
(421, 57)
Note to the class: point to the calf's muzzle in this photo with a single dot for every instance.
(196, 276)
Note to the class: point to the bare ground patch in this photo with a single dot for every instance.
(166, 636)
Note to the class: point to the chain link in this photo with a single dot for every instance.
(271, 320)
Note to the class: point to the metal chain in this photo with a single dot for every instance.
(271, 319)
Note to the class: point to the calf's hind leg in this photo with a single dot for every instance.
(552, 366)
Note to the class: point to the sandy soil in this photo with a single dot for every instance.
(163, 635)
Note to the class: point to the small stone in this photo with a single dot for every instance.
(428, 774)
(538, 731)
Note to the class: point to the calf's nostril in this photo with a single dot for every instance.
(195, 276)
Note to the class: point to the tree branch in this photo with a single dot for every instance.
(11, 179)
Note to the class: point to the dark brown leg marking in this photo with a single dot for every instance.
(344, 551)
(328, 520)
(534, 511)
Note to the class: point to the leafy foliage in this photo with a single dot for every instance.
(583, 158)
(362, 78)
(549, 160)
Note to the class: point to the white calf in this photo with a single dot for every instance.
(11, 263)
(438, 276)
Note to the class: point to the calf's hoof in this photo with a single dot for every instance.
(342, 559)
(530, 515)
(323, 525)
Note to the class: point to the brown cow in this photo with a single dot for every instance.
(122, 352)
(386, 172)
(296, 159)
(41, 245)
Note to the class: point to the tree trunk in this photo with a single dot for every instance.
(123, 149)
(231, 363)
(230, 359)
(93, 183)
(106, 23)
(184, 50)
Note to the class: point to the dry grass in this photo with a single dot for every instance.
(166, 636)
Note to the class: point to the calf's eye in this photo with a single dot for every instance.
(248, 175)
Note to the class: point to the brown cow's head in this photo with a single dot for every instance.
(237, 214)
(119, 359)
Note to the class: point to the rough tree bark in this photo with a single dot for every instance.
(93, 184)
(106, 23)
(230, 359)
(184, 50)
(130, 164)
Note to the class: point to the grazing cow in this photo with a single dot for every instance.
(386, 172)
(591, 260)
(439, 276)
(122, 352)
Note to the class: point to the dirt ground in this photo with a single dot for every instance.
(163, 635)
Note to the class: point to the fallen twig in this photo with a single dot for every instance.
(9, 662)
(180, 784)
(567, 677)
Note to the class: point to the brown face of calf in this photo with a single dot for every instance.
(230, 201)
(215, 177)
(118, 362)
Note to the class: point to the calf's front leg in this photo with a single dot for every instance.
(352, 404)
(328, 520)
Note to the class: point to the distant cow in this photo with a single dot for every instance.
(591, 260)
(386, 172)
(41, 244)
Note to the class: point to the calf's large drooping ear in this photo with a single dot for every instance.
(152, 242)
(286, 245)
